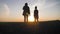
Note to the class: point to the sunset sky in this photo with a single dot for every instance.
(11, 10)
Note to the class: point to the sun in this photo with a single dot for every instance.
(31, 18)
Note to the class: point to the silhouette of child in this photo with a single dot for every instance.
(36, 14)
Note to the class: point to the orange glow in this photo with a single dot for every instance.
(31, 18)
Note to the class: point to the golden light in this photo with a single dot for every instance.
(31, 18)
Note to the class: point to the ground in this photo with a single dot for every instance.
(47, 27)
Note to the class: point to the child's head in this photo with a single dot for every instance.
(35, 7)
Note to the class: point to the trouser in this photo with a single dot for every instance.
(26, 18)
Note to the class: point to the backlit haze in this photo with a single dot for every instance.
(11, 10)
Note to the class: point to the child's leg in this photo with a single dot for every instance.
(37, 19)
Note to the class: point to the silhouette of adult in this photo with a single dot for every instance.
(26, 12)
(36, 14)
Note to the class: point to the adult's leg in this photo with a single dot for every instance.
(27, 18)
(24, 18)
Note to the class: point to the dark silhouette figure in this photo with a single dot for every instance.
(36, 14)
(26, 12)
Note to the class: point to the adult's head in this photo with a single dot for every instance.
(26, 4)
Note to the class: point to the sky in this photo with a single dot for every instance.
(11, 10)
